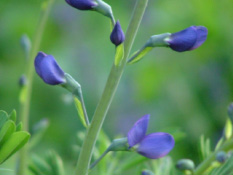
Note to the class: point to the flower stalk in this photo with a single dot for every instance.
(109, 92)
(25, 105)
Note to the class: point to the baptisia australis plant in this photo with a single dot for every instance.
(152, 146)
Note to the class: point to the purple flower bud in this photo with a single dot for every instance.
(188, 39)
(82, 4)
(154, 145)
(48, 69)
(117, 36)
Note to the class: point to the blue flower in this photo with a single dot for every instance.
(48, 69)
(153, 145)
(117, 36)
(82, 4)
(187, 39)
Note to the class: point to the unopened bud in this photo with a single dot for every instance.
(117, 36)
(221, 157)
(147, 172)
(25, 44)
(185, 164)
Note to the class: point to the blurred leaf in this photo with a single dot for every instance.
(19, 127)
(41, 166)
(79, 108)
(55, 163)
(119, 54)
(7, 130)
(3, 118)
(12, 116)
(228, 129)
(16, 141)
(103, 143)
(38, 132)
(204, 147)
(132, 162)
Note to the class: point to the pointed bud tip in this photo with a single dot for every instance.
(117, 36)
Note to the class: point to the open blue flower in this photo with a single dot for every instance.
(82, 4)
(188, 39)
(48, 69)
(153, 145)
(117, 36)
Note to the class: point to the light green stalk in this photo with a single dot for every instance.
(109, 92)
(25, 105)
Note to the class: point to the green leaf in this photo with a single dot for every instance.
(12, 116)
(7, 130)
(34, 170)
(16, 141)
(3, 118)
(39, 130)
(55, 163)
(19, 127)
(205, 148)
(228, 129)
(79, 108)
(138, 55)
(41, 165)
(119, 54)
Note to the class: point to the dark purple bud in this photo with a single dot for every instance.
(117, 36)
(138, 131)
(48, 69)
(156, 145)
(82, 4)
(188, 39)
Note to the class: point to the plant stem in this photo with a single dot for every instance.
(109, 91)
(99, 159)
(228, 145)
(25, 105)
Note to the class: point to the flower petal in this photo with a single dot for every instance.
(138, 131)
(201, 36)
(156, 145)
(183, 40)
(48, 69)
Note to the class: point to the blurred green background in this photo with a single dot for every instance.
(190, 90)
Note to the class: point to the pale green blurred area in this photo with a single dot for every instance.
(190, 90)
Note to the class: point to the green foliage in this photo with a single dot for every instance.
(119, 54)
(50, 165)
(80, 111)
(11, 137)
(204, 147)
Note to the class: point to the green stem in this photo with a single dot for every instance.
(25, 105)
(109, 91)
(99, 159)
(212, 157)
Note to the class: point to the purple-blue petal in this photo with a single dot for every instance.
(156, 145)
(138, 131)
(48, 69)
(117, 36)
(82, 4)
(188, 39)
(202, 33)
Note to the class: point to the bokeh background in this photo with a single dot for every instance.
(185, 91)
